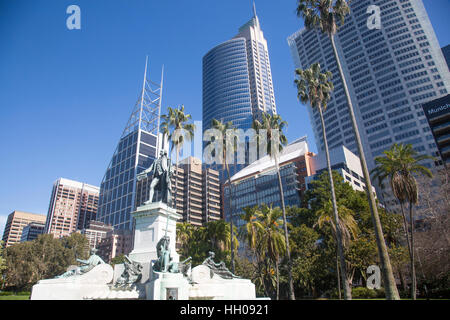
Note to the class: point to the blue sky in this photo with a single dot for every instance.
(66, 95)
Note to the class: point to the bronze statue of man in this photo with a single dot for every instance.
(162, 172)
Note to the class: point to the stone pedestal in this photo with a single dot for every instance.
(209, 286)
(168, 286)
(151, 226)
(78, 287)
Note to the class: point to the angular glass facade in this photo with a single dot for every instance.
(135, 152)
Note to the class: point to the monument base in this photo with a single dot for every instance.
(153, 221)
(167, 286)
(209, 286)
(78, 287)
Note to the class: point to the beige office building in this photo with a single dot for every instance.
(17, 220)
(72, 205)
(115, 243)
(96, 232)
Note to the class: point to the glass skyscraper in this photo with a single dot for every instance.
(237, 80)
(135, 152)
(390, 73)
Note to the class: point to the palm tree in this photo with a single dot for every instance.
(325, 16)
(227, 145)
(218, 232)
(271, 128)
(315, 87)
(184, 236)
(273, 242)
(399, 164)
(265, 237)
(349, 230)
(175, 125)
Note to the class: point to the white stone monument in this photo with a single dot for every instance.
(206, 285)
(77, 287)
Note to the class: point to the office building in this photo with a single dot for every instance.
(72, 205)
(198, 194)
(446, 53)
(16, 222)
(32, 231)
(115, 243)
(237, 81)
(345, 162)
(438, 115)
(135, 152)
(258, 183)
(390, 73)
(95, 232)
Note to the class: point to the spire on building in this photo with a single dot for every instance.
(147, 110)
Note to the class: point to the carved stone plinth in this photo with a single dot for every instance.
(168, 286)
(208, 285)
(78, 287)
(151, 225)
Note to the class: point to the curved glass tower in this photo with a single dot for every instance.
(237, 81)
(226, 85)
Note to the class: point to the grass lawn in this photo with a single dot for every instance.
(14, 297)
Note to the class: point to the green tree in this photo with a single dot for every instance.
(264, 235)
(399, 164)
(185, 232)
(348, 229)
(176, 127)
(2, 263)
(31, 261)
(78, 244)
(219, 236)
(326, 16)
(314, 87)
(270, 129)
(118, 259)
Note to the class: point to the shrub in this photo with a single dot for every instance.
(364, 293)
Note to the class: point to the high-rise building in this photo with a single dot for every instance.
(258, 184)
(115, 243)
(72, 205)
(345, 162)
(95, 232)
(438, 115)
(135, 152)
(198, 193)
(390, 73)
(237, 80)
(16, 222)
(446, 53)
(32, 231)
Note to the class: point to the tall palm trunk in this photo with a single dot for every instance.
(405, 228)
(410, 251)
(176, 183)
(413, 267)
(338, 276)
(286, 238)
(231, 217)
(278, 279)
(386, 267)
(340, 249)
